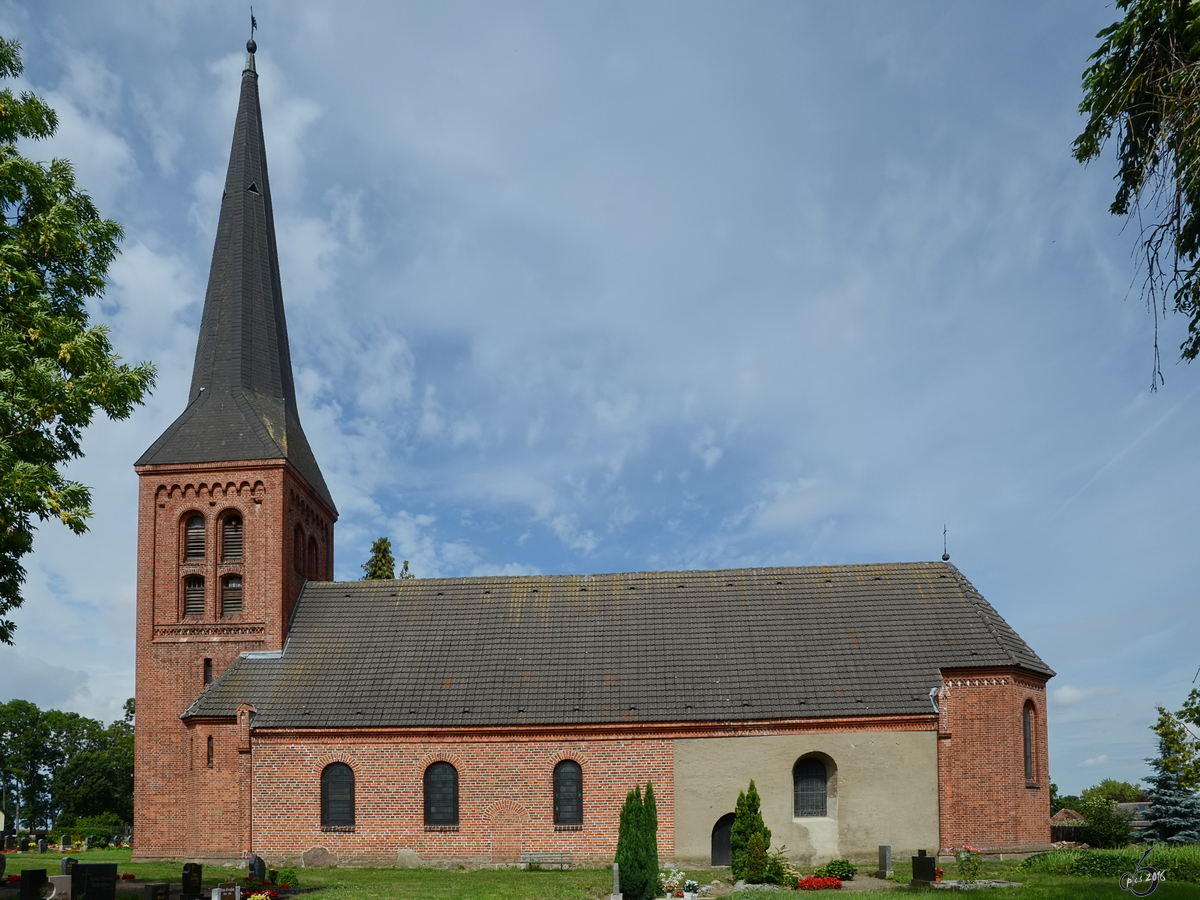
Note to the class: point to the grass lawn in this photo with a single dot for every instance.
(572, 884)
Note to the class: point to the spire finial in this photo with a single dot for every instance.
(251, 46)
(945, 551)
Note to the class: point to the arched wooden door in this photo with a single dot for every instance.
(722, 835)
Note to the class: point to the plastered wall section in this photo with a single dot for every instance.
(883, 789)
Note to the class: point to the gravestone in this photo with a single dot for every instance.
(64, 842)
(3, 860)
(923, 868)
(191, 879)
(257, 868)
(885, 861)
(60, 887)
(94, 881)
(616, 894)
(157, 890)
(10, 842)
(43, 846)
(318, 857)
(31, 883)
(227, 890)
(67, 865)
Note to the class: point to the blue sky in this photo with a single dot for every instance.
(615, 286)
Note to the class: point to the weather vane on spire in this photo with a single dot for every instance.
(945, 549)
(251, 46)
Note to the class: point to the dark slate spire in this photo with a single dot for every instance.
(242, 404)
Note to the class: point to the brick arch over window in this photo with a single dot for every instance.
(194, 538)
(441, 794)
(568, 793)
(337, 797)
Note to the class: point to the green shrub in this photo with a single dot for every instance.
(779, 869)
(1177, 863)
(841, 869)
(638, 867)
(747, 820)
(1106, 827)
(289, 877)
(756, 859)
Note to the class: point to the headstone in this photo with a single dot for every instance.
(61, 885)
(257, 868)
(885, 861)
(616, 894)
(923, 868)
(227, 890)
(10, 842)
(157, 890)
(407, 858)
(191, 879)
(3, 860)
(317, 857)
(94, 881)
(43, 846)
(64, 842)
(87, 842)
(67, 865)
(31, 883)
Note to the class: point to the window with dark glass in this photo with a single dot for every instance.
(809, 783)
(193, 595)
(208, 671)
(193, 539)
(210, 751)
(337, 796)
(568, 793)
(231, 595)
(314, 568)
(441, 794)
(298, 550)
(1028, 728)
(231, 539)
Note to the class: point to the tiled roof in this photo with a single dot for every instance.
(242, 404)
(698, 646)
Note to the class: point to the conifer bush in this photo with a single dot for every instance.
(637, 845)
(747, 821)
(1174, 812)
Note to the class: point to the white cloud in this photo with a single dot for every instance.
(1094, 761)
(1067, 695)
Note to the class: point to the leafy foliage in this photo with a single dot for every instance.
(747, 821)
(382, 565)
(841, 869)
(638, 865)
(756, 859)
(1178, 863)
(1106, 827)
(1174, 812)
(1063, 801)
(1116, 791)
(57, 766)
(55, 369)
(1143, 84)
(1178, 745)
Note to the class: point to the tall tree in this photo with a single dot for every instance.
(1116, 791)
(55, 369)
(1179, 746)
(1144, 84)
(747, 821)
(381, 565)
(637, 871)
(1174, 812)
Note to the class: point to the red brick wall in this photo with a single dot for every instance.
(505, 794)
(176, 812)
(984, 797)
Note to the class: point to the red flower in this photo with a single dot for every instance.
(812, 883)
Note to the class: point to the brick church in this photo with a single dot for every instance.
(473, 719)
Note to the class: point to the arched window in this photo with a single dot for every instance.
(441, 794)
(1028, 725)
(337, 796)
(231, 539)
(314, 564)
(809, 783)
(193, 542)
(193, 595)
(298, 550)
(231, 595)
(568, 793)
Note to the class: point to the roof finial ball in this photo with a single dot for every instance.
(945, 551)
(251, 47)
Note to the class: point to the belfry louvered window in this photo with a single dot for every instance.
(568, 793)
(193, 545)
(231, 595)
(231, 539)
(193, 595)
(809, 783)
(441, 794)
(337, 796)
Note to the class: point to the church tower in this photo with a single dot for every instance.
(234, 517)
